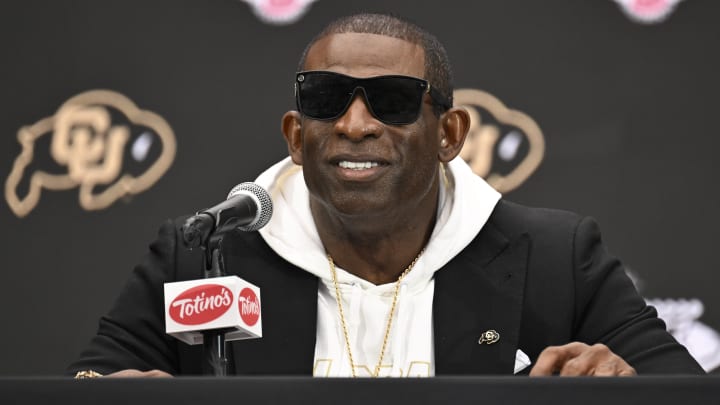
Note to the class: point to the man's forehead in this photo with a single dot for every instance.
(361, 55)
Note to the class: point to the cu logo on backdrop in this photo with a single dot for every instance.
(504, 146)
(99, 142)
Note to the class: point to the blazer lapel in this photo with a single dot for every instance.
(480, 290)
(288, 297)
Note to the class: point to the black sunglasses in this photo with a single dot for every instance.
(394, 100)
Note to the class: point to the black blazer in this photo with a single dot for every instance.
(538, 277)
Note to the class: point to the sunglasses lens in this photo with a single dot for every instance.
(324, 95)
(394, 100)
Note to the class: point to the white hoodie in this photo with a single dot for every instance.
(465, 203)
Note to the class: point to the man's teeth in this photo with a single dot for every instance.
(357, 165)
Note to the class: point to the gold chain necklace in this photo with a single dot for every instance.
(338, 298)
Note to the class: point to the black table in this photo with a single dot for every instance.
(440, 390)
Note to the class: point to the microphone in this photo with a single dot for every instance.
(218, 308)
(248, 207)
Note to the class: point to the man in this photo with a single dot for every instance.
(386, 256)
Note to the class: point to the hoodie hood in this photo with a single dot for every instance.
(465, 204)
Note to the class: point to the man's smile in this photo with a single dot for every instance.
(359, 168)
(357, 165)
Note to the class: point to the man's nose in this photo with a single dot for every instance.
(358, 123)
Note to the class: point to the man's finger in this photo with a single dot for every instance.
(576, 366)
(606, 369)
(606, 363)
(132, 373)
(585, 360)
(553, 358)
(627, 372)
(578, 359)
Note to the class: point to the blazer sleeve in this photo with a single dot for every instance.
(609, 310)
(132, 334)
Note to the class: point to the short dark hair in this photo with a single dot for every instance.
(437, 64)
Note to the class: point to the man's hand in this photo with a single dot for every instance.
(579, 359)
(132, 373)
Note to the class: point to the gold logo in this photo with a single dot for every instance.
(489, 337)
(503, 146)
(89, 139)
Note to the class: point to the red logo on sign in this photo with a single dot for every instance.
(249, 306)
(201, 304)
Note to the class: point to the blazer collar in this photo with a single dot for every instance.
(289, 311)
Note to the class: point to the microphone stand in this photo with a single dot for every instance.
(214, 349)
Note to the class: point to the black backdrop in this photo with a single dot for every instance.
(629, 114)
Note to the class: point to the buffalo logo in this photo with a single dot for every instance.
(279, 11)
(489, 337)
(503, 146)
(86, 144)
(648, 11)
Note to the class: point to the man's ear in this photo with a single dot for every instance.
(454, 127)
(291, 127)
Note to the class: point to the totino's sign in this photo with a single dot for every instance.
(201, 304)
(228, 303)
